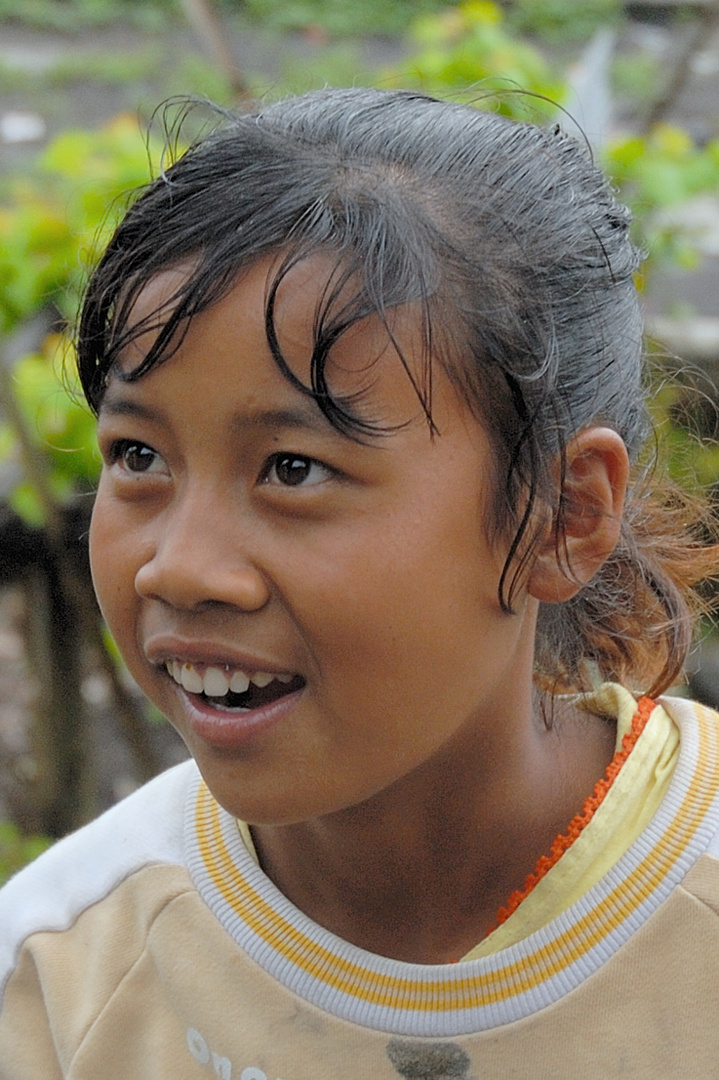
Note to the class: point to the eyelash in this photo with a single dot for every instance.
(284, 458)
(121, 448)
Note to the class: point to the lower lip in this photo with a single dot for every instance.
(235, 730)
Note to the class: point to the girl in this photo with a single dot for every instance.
(367, 369)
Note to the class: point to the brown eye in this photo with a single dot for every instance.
(293, 470)
(137, 457)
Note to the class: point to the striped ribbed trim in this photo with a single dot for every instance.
(448, 1000)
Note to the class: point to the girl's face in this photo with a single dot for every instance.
(317, 618)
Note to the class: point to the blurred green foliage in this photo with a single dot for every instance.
(469, 53)
(555, 21)
(55, 220)
(63, 427)
(655, 173)
(563, 21)
(64, 15)
(16, 850)
(53, 223)
(341, 18)
(687, 419)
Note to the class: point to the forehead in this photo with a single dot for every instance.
(379, 364)
(309, 290)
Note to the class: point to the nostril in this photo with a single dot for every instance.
(191, 583)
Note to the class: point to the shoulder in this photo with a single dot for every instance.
(83, 868)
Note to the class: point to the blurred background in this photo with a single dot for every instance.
(80, 85)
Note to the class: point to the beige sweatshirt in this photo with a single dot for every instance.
(150, 946)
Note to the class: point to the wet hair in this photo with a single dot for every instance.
(516, 254)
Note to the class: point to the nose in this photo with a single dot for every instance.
(199, 557)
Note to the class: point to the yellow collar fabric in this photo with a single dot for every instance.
(625, 811)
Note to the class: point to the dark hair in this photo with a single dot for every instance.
(512, 245)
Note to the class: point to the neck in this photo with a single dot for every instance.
(419, 872)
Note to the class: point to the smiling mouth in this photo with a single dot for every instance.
(230, 689)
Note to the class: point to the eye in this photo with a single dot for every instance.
(295, 470)
(136, 457)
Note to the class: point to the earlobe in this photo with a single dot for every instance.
(578, 542)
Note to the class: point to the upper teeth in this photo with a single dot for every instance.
(216, 682)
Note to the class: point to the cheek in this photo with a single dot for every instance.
(100, 554)
(405, 611)
(111, 553)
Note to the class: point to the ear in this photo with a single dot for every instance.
(573, 549)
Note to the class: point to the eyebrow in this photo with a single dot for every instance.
(121, 406)
(297, 418)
